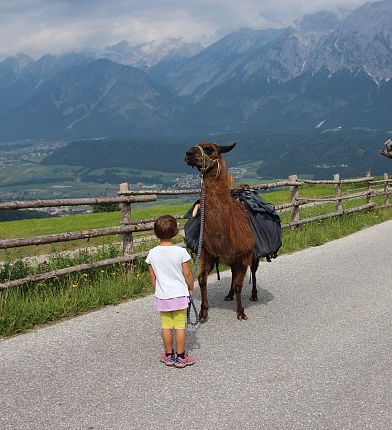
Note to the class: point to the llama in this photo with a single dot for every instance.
(227, 231)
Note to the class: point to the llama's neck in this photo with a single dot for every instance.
(227, 232)
(217, 188)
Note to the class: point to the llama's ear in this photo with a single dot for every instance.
(223, 149)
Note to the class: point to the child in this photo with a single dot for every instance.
(170, 275)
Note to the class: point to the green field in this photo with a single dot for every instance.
(37, 181)
(23, 175)
(40, 227)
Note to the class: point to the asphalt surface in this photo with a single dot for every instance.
(315, 353)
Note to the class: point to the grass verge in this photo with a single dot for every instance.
(25, 307)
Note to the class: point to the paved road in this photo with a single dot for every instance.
(314, 354)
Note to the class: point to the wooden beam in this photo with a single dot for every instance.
(294, 200)
(23, 204)
(230, 181)
(369, 187)
(126, 209)
(277, 184)
(160, 192)
(330, 215)
(78, 268)
(66, 237)
(73, 269)
(386, 189)
(338, 193)
(342, 181)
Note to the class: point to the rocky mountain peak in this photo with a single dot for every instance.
(148, 54)
(15, 65)
(319, 22)
(323, 68)
(370, 19)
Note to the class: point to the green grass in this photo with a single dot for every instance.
(24, 307)
(34, 180)
(40, 227)
(320, 232)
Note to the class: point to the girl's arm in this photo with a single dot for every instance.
(186, 271)
(153, 278)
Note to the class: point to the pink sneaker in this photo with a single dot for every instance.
(168, 360)
(183, 362)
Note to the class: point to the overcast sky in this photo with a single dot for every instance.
(36, 27)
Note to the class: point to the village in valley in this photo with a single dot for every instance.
(23, 176)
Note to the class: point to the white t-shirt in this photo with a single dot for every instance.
(167, 264)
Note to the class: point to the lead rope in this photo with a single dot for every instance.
(200, 244)
(191, 301)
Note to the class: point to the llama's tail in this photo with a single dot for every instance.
(217, 269)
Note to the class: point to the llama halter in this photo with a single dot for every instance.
(211, 162)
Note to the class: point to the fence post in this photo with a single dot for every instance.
(369, 189)
(126, 220)
(294, 199)
(230, 181)
(386, 190)
(338, 193)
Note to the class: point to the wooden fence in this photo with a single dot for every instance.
(128, 226)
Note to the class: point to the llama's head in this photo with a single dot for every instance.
(206, 155)
(387, 152)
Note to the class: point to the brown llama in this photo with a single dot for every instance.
(227, 232)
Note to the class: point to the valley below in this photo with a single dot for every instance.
(42, 169)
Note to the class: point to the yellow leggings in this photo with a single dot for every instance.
(174, 319)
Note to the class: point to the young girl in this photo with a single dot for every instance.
(170, 275)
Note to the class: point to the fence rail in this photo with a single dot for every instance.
(73, 269)
(30, 204)
(126, 198)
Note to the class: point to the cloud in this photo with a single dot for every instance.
(41, 26)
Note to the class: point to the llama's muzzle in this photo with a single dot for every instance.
(190, 158)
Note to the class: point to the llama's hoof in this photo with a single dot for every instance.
(228, 298)
(254, 299)
(241, 316)
(203, 316)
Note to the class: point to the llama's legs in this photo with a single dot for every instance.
(254, 267)
(239, 272)
(206, 265)
(230, 296)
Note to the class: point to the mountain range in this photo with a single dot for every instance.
(324, 73)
